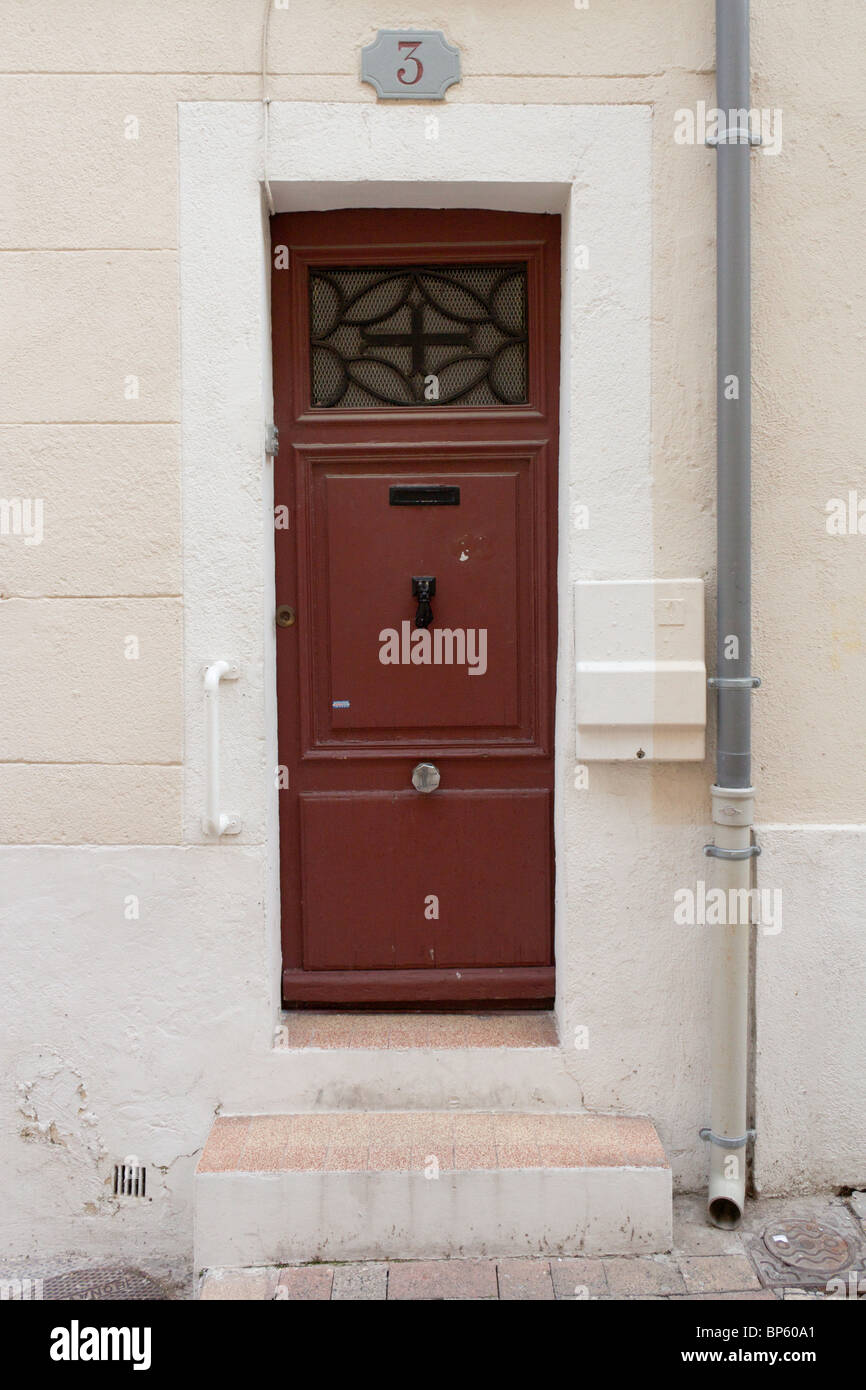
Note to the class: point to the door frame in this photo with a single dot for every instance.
(592, 164)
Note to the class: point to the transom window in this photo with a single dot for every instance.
(418, 336)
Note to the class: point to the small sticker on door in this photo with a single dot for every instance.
(340, 704)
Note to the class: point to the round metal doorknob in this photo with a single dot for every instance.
(285, 615)
(425, 777)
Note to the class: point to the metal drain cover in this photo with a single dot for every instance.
(803, 1253)
(809, 1247)
(103, 1284)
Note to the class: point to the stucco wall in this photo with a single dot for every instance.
(116, 1018)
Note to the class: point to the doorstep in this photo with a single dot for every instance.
(372, 1185)
(322, 1028)
(323, 1060)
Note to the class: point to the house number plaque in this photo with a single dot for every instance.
(410, 64)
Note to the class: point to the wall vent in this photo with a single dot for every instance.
(130, 1178)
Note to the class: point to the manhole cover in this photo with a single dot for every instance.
(103, 1284)
(808, 1247)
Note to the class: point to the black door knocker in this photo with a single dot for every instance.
(423, 589)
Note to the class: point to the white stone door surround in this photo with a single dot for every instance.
(592, 164)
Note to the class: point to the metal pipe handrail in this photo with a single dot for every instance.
(216, 822)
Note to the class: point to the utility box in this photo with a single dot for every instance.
(641, 672)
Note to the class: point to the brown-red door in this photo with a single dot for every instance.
(416, 394)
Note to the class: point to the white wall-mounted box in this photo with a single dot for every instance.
(641, 673)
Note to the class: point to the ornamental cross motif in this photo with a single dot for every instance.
(416, 338)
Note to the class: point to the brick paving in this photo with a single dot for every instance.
(704, 1264)
(367, 1281)
(443, 1279)
(580, 1277)
(718, 1274)
(641, 1275)
(522, 1280)
(305, 1283)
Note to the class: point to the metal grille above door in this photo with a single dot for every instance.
(418, 336)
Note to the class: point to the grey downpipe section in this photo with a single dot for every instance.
(734, 416)
(732, 794)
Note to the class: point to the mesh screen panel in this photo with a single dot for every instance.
(418, 336)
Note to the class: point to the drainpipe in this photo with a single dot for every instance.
(732, 794)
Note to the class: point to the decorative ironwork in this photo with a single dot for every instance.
(418, 336)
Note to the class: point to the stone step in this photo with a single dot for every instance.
(324, 1060)
(356, 1185)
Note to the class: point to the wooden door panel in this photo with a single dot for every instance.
(371, 303)
(476, 596)
(486, 554)
(402, 881)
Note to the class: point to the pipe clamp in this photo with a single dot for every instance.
(734, 682)
(736, 135)
(716, 852)
(726, 1143)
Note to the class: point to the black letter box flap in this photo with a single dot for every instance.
(425, 495)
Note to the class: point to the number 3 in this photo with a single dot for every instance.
(419, 67)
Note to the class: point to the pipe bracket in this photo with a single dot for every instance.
(737, 135)
(716, 852)
(726, 1143)
(734, 682)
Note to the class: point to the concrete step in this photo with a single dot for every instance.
(372, 1185)
(324, 1060)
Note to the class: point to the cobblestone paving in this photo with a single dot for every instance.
(704, 1264)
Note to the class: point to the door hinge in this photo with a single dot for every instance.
(272, 440)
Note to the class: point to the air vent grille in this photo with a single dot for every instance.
(130, 1178)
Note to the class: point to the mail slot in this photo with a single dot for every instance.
(425, 495)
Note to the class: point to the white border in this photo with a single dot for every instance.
(592, 164)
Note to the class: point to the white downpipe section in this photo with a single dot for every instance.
(216, 822)
(733, 814)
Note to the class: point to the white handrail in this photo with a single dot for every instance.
(216, 822)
